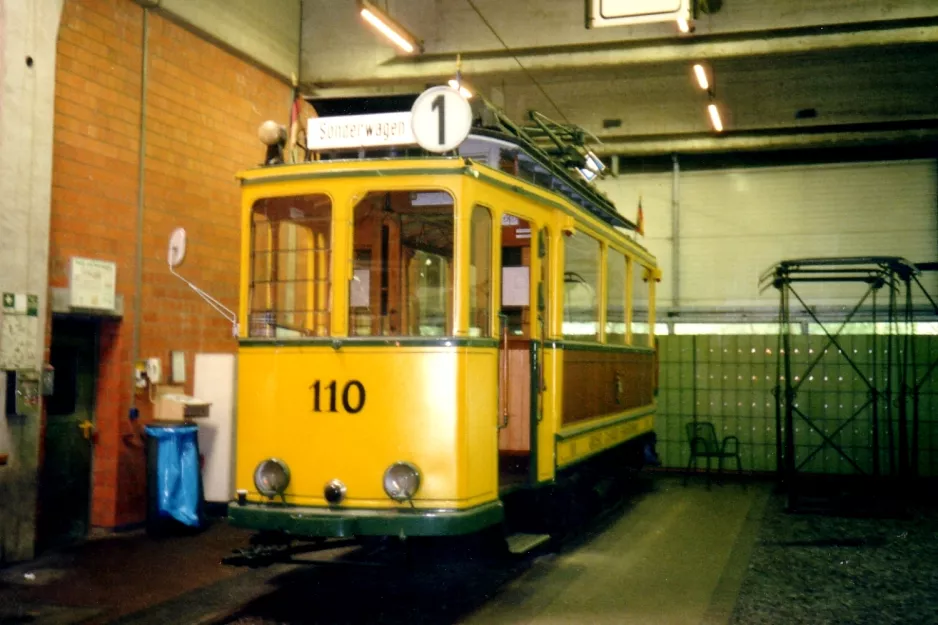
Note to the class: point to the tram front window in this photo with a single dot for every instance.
(291, 256)
(403, 276)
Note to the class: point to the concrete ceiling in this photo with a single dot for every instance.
(786, 73)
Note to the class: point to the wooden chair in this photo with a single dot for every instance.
(703, 444)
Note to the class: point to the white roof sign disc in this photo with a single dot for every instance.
(441, 119)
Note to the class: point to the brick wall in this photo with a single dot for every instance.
(202, 112)
(94, 194)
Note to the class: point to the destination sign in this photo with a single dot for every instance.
(360, 131)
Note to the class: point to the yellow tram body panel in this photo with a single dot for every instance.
(415, 408)
(339, 407)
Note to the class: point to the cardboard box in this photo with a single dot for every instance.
(178, 407)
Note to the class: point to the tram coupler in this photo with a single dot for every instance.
(261, 555)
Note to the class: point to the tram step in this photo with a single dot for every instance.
(522, 543)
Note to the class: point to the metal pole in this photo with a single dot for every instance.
(141, 173)
(889, 363)
(874, 389)
(675, 232)
(904, 465)
(789, 399)
(694, 380)
(779, 456)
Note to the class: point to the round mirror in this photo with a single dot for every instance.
(177, 247)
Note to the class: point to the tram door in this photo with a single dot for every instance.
(517, 327)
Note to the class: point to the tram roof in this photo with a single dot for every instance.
(490, 148)
(537, 167)
(413, 161)
(548, 155)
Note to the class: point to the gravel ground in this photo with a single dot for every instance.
(819, 569)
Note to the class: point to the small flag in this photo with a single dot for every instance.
(294, 129)
(640, 221)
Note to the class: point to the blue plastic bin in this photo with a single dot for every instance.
(174, 476)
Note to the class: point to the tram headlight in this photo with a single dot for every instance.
(271, 477)
(401, 481)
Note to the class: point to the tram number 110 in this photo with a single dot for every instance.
(352, 402)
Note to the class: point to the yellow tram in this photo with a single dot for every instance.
(427, 335)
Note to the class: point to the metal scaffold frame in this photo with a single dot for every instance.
(891, 377)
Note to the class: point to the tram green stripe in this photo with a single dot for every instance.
(357, 173)
(352, 342)
(452, 341)
(339, 522)
(575, 346)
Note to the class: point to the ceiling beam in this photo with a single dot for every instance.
(430, 68)
(314, 92)
(786, 139)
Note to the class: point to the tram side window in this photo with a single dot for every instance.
(403, 275)
(615, 297)
(581, 288)
(291, 254)
(640, 291)
(480, 273)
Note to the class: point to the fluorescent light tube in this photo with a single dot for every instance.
(701, 75)
(388, 27)
(715, 117)
(387, 31)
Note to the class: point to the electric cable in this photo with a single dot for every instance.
(518, 61)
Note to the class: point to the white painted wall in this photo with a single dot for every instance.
(27, 29)
(736, 223)
(267, 32)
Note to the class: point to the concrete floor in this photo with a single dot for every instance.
(676, 557)
(107, 578)
(671, 555)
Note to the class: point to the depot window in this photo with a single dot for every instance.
(291, 255)
(402, 283)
